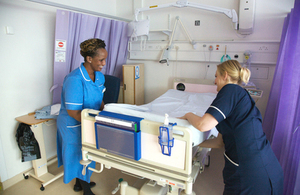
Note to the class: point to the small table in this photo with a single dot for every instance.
(40, 166)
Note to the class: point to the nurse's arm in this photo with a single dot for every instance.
(213, 143)
(204, 123)
(76, 114)
(102, 106)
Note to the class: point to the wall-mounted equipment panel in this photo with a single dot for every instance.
(262, 52)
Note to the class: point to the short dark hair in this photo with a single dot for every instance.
(89, 47)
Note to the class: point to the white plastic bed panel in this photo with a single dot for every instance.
(152, 158)
(195, 85)
(175, 103)
(151, 151)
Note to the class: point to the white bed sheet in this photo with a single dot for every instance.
(175, 103)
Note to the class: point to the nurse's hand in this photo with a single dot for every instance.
(204, 123)
(102, 106)
(76, 114)
(183, 117)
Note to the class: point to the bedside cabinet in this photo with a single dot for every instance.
(133, 84)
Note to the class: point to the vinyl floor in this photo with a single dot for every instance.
(210, 182)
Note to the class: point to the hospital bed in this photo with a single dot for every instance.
(166, 174)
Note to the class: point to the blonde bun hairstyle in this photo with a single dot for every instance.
(237, 73)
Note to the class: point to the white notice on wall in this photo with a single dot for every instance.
(60, 45)
(60, 56)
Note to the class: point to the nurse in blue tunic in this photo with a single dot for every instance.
(82, 88)
(251, 168)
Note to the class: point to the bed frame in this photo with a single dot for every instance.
(176, 172)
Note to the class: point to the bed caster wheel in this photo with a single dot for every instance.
(42, 188)
(207, 161)
(25, 176)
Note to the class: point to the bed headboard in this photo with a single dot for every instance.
(195, 85)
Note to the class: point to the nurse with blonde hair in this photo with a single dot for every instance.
(251, 167)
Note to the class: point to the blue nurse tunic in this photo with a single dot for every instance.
(78, 92)
(251, 167)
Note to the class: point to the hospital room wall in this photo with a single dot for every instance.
(269, 18)
(27, 72)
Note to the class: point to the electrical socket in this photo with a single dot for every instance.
(263, 48)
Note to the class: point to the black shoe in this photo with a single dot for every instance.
(78, 188)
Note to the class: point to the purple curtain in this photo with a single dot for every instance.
(282, 118)
(73, 28)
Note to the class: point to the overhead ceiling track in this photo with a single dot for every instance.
(230, 13)
(78, 10)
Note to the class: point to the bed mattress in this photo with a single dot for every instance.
(175, 103)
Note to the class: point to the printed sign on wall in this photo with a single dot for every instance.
(60, 45)
(137, 72)
(60, 56)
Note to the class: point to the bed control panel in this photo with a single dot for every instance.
(255, 93)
